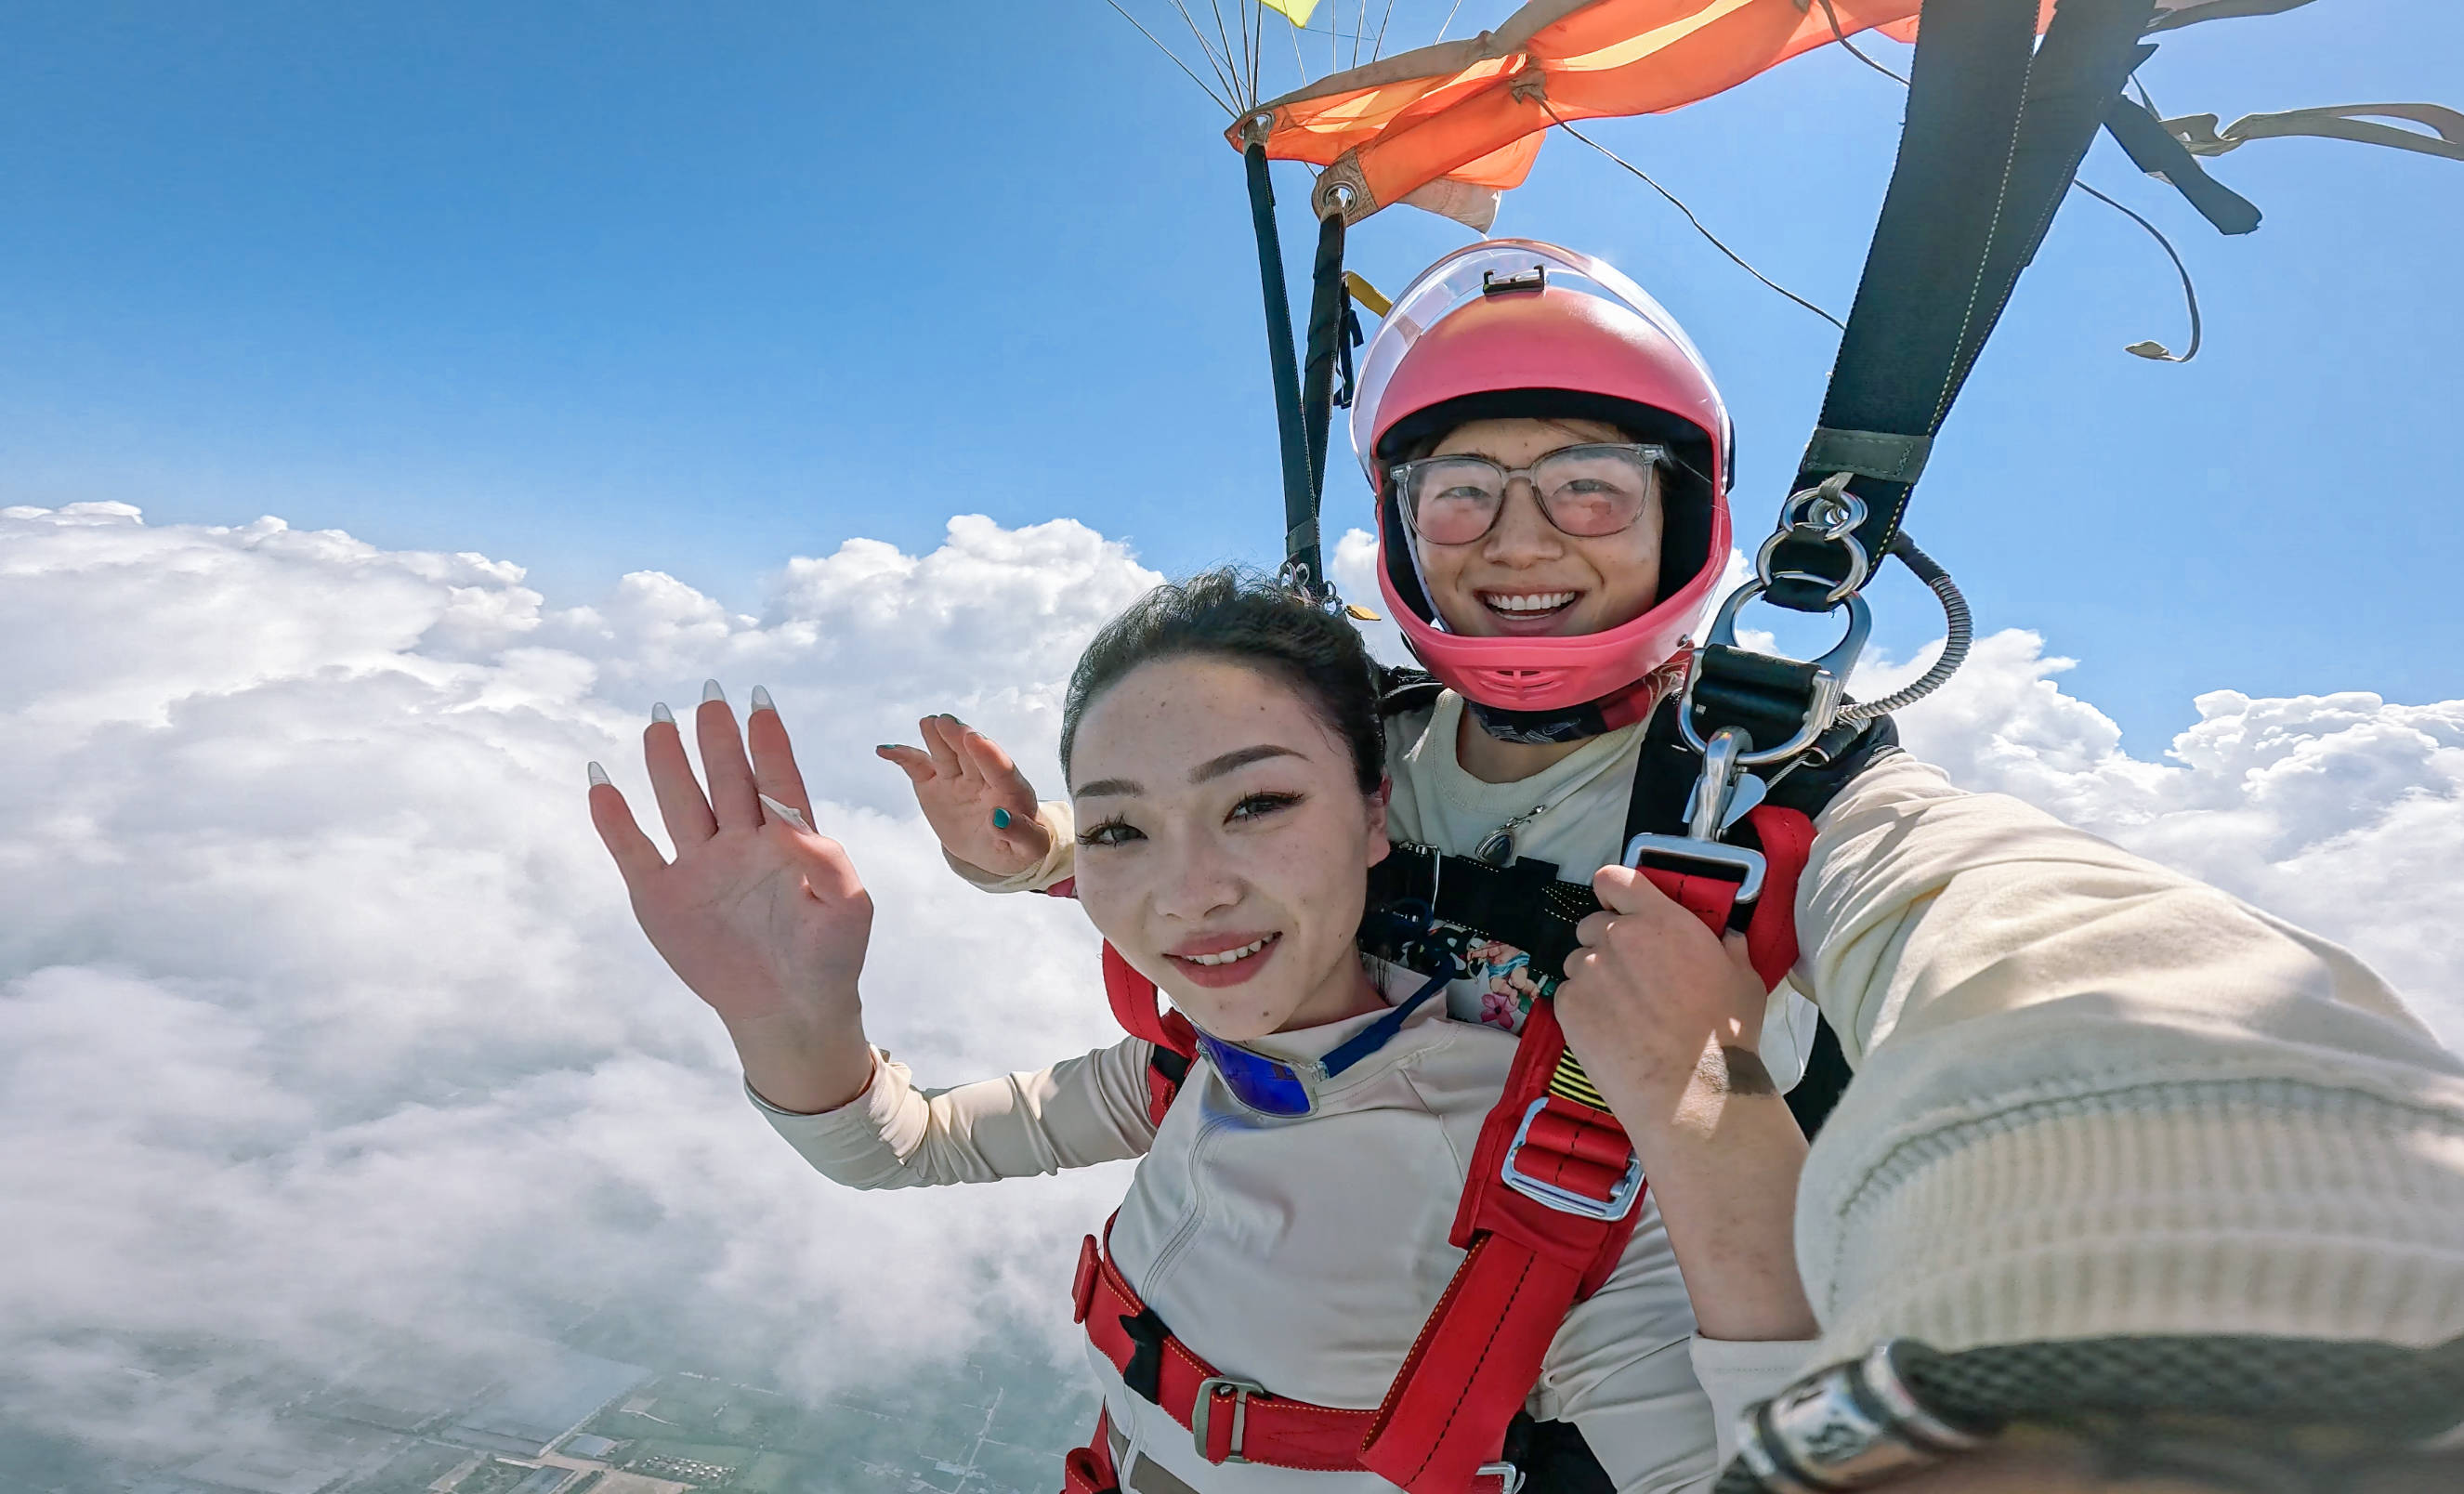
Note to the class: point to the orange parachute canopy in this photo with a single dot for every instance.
(1471, 113)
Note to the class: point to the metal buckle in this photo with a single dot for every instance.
(1200, 1412)
(1710, 854)
(1829, 680)
(1615, 1206)
(1509, 1477)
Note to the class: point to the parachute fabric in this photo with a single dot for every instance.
(1471, 113)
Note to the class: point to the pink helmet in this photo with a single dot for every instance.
(1480, 336)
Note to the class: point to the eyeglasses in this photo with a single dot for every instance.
(1588, 492)
(1286, 1090)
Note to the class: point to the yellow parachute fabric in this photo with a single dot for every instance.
(1296, 11)
(1474, 111)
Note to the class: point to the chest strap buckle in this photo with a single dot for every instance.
(1621, 1194)
(1202, 1410)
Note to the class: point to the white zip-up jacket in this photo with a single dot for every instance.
(2094, 1097)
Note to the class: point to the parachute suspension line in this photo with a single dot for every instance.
(1681, 207)
(1300, 503)
(2151, 349)
(1841, 37)
(1230, 81)
(1223, 39)
(1220, 102)
(1379, 50)
(1448, 21)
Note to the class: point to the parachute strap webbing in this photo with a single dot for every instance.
(1300, 490)
(2199, 135)
(2159, 152)
(1995, 130)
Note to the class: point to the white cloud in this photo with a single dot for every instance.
(325, 1036)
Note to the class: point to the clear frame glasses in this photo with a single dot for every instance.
(1587, 491)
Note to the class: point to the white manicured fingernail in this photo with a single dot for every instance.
(783, 812)
(661, 715)
(711, 691)
(598, 776)
(761, 700)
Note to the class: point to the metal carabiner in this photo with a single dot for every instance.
(1830, 677)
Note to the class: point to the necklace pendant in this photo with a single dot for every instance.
(1498, 848)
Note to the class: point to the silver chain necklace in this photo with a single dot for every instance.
(1497, 848)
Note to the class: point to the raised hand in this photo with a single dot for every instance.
(973, 796)
(762, 916)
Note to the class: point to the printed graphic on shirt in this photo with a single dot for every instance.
(1496, 986)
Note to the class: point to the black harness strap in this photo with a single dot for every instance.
(1300, 490)
(1995, 130)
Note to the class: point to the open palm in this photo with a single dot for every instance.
(759, 914)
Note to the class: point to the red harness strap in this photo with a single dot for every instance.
(1240, 1421)
(1543, 1220)
(1134, 1007)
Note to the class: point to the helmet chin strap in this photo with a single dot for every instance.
(1592, 719)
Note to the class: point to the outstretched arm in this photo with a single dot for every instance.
(2096, 1097)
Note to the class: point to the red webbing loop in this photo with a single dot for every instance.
(1088, 1469)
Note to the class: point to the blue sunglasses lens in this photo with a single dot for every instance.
(1264, 1084)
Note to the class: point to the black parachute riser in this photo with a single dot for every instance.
(1996, 128)
(1300, 501)
(1328, 300)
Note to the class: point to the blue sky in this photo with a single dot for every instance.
(618, 287)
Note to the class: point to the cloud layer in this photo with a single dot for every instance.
(326, 1040)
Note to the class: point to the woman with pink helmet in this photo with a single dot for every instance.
(2025, 1005)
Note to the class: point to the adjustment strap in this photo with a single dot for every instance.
(1271, 1430)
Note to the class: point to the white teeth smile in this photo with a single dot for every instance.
(1230, 956)
(1538, 601)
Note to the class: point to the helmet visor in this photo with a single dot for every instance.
(1464, 276)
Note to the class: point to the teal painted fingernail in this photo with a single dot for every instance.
(1000, 818)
